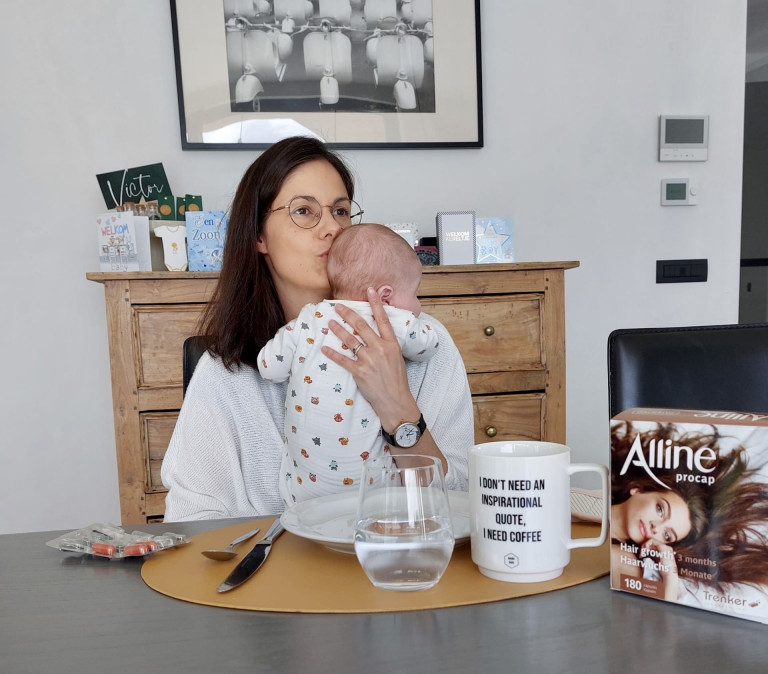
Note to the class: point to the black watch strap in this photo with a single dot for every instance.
(389, 438)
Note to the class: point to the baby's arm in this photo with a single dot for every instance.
(276, 358)
(419, 339)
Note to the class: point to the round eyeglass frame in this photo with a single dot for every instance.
(354, 218)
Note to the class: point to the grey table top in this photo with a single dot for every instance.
(66, 613)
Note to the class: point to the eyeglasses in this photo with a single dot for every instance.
(307, 211)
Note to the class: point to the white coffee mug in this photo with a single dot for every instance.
(520, 515)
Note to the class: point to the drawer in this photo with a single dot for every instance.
(156, 431)
(509, 417)
(501, 333)
(160, 333)
(514, 417)
(155, 507)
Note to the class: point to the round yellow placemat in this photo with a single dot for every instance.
(301, 576)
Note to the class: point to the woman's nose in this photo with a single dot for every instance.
(328, 225)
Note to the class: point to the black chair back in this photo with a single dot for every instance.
(710, 367)
(193, 348)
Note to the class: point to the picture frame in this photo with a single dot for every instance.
(494, 240)
(404, 74)
(408, 230)
(456, 237)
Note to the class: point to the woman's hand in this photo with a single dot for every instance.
(664, 557)
(379, 371)
(378, 367)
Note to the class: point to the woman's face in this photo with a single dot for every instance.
(297, 257)
(657, 516)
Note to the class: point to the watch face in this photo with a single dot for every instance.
(407, 435)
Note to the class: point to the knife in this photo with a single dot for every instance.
(250, 564)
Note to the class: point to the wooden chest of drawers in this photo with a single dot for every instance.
(507, 320)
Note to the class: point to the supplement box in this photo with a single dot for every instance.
(689, 508)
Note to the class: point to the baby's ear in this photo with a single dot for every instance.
(385, 294)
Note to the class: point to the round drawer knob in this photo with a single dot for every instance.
(489, 331)
(491, 431)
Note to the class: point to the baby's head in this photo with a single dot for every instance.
(373, 256)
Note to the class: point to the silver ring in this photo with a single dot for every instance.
(359, 346)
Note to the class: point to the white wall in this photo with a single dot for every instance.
(572, 94)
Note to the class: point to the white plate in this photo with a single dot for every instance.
(330, 520)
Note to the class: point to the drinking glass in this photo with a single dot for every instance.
(403, 534)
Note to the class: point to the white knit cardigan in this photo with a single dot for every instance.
(224, 456)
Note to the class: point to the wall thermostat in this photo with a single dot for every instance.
(683, 138)
(678, 192)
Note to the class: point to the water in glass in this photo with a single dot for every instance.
(404, 535)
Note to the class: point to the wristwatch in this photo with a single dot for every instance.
(407, 434)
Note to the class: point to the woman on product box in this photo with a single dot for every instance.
(706, 535)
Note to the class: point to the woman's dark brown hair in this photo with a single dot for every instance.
(244, 312)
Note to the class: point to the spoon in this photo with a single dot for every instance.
(229, 552)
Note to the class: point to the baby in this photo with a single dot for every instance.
(330, 429)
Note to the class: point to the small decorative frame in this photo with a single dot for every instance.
(408, 230)
(403, 75)
(456, 237)
(494, 240)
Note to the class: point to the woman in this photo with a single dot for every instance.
(710, 535)
(224, 456)
(646, 526)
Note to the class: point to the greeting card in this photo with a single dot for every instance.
(143, 248)
(174, 245)
(117, 242)
(456, 237)
(133, 184)
(206, 232)
(494, 241)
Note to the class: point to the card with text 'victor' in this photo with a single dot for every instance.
(147, 183)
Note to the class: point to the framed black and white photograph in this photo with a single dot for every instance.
(354, 73)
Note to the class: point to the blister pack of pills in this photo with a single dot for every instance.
(113, 542)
